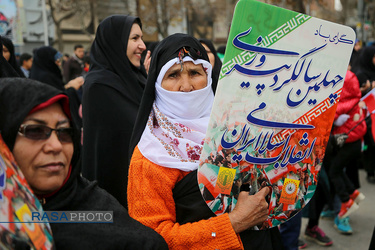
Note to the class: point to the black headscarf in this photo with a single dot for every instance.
(164, 52)
(12, 60)
(109, 62)
(18, 96)
(217, 67)
(112, 93)
(45, 69)
(6, 70)
(366, 67)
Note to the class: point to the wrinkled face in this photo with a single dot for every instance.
(45, 163)
(135, 45)
(211, 56)
(192, 77)
(6, 53)
(80, 52)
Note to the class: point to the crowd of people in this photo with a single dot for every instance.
(102, 133)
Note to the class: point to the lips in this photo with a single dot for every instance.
(53, 166)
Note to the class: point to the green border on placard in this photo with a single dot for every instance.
(274, 27)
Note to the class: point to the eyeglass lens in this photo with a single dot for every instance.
(41, 132)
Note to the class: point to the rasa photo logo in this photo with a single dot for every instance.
(72, 217)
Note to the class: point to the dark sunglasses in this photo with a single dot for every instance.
(42, 132)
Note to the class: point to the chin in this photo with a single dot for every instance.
(136, 64)
(48, 187)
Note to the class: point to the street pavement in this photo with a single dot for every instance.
(362, 222)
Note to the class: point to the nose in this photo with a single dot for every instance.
(53, 144)
(186, 84)
(142, 45)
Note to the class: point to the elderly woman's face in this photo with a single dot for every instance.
(45, 163)
(192, 77)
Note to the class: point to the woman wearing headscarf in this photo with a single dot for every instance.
(46, 69)
(214, 59)
(111, 96)
(9, 55)
(366, 77)
(366, 69)
(343, 169)
(6, 70)
(16, 197)
(36, 125)
(163, 190)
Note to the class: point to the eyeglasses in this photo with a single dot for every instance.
(42, 132)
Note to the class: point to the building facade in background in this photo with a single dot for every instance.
(71, 22)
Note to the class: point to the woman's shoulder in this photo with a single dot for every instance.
(124, 232)
(139, 157)
(96, 85)
(139, 163)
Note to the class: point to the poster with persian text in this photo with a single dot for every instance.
(279, 86)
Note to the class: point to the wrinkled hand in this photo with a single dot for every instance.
(147, 61)
(250, 210)
(341, 120)
(75, 83)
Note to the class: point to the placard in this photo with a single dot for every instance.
(274, 107)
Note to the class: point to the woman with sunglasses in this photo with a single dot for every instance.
(163, 190)
(36, 125)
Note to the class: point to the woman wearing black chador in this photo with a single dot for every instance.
(111, 96)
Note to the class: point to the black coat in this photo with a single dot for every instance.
(111, 96)
(45, 69)
(17, 97)
(72, 69)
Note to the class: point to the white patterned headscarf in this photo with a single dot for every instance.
(177, 124)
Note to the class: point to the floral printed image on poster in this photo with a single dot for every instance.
(279, 86)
